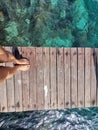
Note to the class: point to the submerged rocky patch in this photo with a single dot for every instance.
(55, 23)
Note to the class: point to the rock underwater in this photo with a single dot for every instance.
(55, 23)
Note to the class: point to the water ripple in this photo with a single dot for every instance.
(67, 119)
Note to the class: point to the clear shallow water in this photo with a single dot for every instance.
(67, 119)
(55, 23)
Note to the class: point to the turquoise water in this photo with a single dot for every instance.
(55, 23)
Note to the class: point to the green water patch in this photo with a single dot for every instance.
(49, 23)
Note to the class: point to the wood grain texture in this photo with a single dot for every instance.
(67, 67)
(40, 79)
(10, 88)
(87, 76)
(53, 83)
(46, 68)
(93, 82)
(81, 77)
(32, 79)
(25, 83)
(18, 88)
(3, 95)
(58, 78)
(73, 77)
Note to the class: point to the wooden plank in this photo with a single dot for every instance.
(67, 77)
(74, 77)
(3, 95)
(87, 76)
(81, 77)
(53, 83)
(57, 78)
(96, 70)
(40, 79)
(46, 66)
(25, 82)
(60, 78)
(32, 80)
(10, 89)
(93, 78)
(18, 89)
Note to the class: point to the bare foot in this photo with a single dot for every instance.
(23, 67)
(23, 62)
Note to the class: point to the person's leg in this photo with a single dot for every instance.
(7, 72)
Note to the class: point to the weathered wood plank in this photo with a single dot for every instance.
(10, 89)
(67, 77)
(81, 77)
(40, 79)
(93, 78)
(46, 67)
(74, 77)
(96, 71)
(18, 89)
(32, 79)
(60, 78)
(25, 82)
(3, 95)
(87, 76)
(53, 82)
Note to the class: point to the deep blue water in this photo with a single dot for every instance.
(67, 119)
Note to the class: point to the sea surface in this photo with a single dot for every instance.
(66, 119)
(55, 23)
(49, 23)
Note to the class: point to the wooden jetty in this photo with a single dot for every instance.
(58, 78)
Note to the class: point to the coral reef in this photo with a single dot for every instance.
(55, 23)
